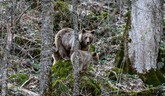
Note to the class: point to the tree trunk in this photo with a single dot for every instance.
(7, 23)
(46, 47)
(146, 29)
(76, 58)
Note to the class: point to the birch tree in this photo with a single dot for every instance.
(146, 29)
(46, 47)
(76, 62)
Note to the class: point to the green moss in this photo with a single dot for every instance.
(90, 85)
(126, 65)
(119, 56)
(62, 69)
(117, 70)
(161, 60)
(153, 77)
(20, 78)
(61, 88)
(147, 92)
(62, 81)
(111, 87)
(160, 76)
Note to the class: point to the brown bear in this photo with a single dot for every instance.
(64, 41)
(85, 58)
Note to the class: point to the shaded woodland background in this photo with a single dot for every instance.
(21, 45)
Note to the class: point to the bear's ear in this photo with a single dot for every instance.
(95, 56)
(83, 31)
(93, 32)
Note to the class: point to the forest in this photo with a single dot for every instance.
(82, 48)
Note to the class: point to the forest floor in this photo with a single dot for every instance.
(104, 79)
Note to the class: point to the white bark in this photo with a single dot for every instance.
(146, 28)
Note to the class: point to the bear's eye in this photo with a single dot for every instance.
(90, 39)
(86, 37)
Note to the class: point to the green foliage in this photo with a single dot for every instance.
(20, 41)
(161, 59)
(91, 16)
(110, 86)
(117, 70)
(90, 85)
(61, 87)
(163, 22)
(102, 61)
(92, 48)
(62, 16)
(5, 4)
(114, 73)
(62, 6)
(62, 69)
(20, 78)
(36, 66)
(102, 16)
(94, 19)
(160, 76)
(63, 80)
(119, 56)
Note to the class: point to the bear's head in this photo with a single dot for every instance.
(86, 37)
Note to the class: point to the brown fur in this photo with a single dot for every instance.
(86, 37)
(85, 58)
(64, 41)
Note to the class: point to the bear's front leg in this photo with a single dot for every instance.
(63, 54)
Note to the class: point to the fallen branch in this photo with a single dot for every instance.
(21, 91)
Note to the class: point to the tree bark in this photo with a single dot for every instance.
(4, 61)
(4, 72)
(46, 47)
(76, 58)
(146, 29)
(8, 24)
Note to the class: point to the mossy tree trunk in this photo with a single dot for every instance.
(46, 47)
(146, 29)
(122, 59)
